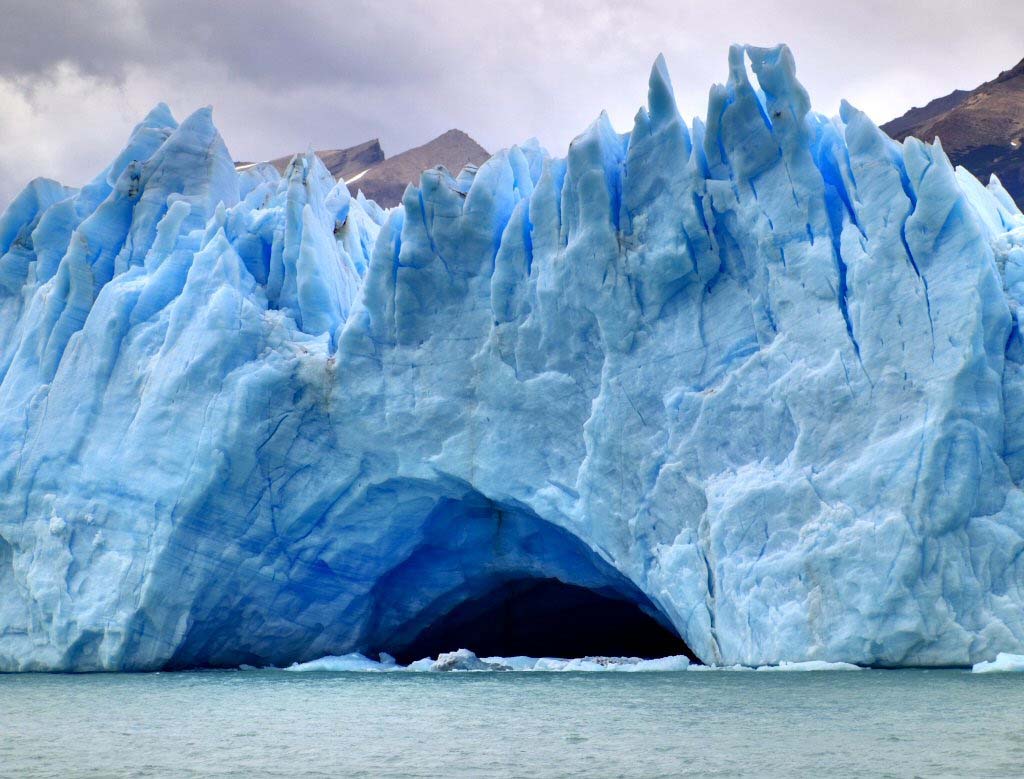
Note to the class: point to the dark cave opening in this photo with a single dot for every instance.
(546, 618)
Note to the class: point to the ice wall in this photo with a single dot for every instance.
(764, 368)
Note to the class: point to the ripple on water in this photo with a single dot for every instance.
(495, 724)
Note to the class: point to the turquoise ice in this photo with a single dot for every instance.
(762, 374)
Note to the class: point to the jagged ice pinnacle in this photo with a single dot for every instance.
(762, 374)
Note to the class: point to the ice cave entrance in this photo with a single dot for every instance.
(545, 618)
(499, 580)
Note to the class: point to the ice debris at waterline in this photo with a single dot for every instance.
(760, 375)
(466, 660)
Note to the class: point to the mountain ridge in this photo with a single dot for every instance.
(383, 179)
(981, 129)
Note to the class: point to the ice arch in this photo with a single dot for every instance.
(448, 567)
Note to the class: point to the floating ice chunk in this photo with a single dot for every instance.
(421, 665)
(335, 663)
(1004, 662)
(671, 663)
(464, 660)
(810, 665)
(517, 663)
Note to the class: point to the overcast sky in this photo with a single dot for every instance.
(76, 76)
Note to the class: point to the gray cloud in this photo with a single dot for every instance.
(74, 77)
(95, 36)
(272, 44)
(279, 45)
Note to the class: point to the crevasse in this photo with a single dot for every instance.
(762, 374)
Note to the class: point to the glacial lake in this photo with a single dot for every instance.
(688, 723)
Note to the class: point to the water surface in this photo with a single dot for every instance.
(691, 723)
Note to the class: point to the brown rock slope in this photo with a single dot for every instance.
(343, 163)
(364, 167)
(386, 181)
(983, 129)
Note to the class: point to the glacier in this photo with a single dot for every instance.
(761, 375)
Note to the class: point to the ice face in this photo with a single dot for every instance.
(762, 375)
